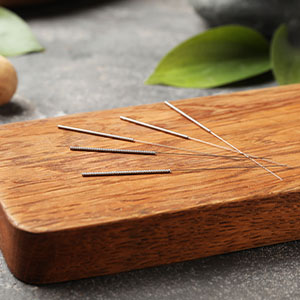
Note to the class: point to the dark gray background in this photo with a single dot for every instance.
(98, 54)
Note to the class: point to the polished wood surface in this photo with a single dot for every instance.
(56, 225)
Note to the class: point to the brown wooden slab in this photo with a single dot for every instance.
(56, 225)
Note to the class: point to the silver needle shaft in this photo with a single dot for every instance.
(159, 171)
(109, 150)
(107, 135)
(127, 172)
(218, 137)
(132, 140)
(144, 152)
(184, 136)
(177, 134)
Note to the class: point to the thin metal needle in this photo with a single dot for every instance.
(128, 172)
(108, 150)
(218, 137)
(112, 136)
(144, 152)
(184, 136)
(160, 171)
(177, 134)
(132, 140)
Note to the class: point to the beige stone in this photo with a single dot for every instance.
(8, 80)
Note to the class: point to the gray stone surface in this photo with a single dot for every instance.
(265, 16)
(98, 55)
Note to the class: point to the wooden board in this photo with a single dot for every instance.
(56, 225)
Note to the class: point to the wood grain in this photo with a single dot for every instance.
(56, 225)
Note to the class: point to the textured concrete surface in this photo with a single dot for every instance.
(98, 55)
(265, 16)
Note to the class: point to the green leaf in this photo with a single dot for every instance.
(285, 58)
(16, 37)
(216, 57)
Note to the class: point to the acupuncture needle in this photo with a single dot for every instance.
(220, 138)
(158, 171)
(142, 152)
(184, 136)
(132, 140)
(146, 152)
